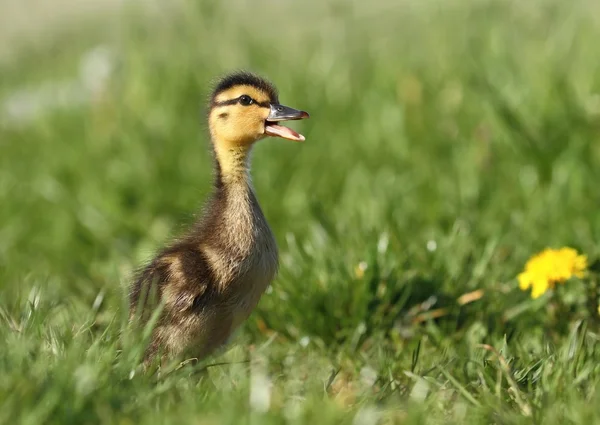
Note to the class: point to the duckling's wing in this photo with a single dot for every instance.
(180, 277)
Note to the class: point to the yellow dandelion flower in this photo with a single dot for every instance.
(549, 267)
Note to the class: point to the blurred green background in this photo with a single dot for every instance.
(448, 142)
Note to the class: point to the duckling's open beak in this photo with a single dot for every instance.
(284, 113)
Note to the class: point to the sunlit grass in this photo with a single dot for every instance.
(447, 144)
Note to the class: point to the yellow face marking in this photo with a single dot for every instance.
(234, 125)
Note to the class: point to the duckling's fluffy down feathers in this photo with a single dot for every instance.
(245, 78)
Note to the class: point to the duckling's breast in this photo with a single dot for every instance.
(257, 270)
(245, 260)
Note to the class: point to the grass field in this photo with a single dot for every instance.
(448, 142)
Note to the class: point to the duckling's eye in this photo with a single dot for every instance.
(246, 100)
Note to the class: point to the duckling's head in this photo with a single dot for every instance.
(245, 108)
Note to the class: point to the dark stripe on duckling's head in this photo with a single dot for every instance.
(244, 78)
(242, 100)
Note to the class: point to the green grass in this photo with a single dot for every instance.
(447, 143)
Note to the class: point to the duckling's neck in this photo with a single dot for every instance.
(235, 209)
(233, 165)
(234, 232)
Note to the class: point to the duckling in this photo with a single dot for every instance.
(208, 281)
